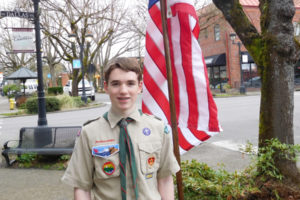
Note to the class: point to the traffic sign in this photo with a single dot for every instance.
(16, 14)
(76, 64)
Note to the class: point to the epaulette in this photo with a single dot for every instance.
(153, 116)
(86, 123)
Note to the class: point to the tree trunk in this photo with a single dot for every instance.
(274, 50)
(277, 92)
(75, 83)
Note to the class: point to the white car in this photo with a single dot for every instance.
(89, 89)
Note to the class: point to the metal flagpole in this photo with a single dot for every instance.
(171, 97)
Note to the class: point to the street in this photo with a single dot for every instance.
(238, 117)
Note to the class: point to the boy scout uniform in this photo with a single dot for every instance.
(94, 165)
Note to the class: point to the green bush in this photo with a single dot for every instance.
(11, 90)
(52, 104)
(68, 102)
(55, 90)
(202, 182)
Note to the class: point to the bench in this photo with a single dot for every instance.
(42, 140)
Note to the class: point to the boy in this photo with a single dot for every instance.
(124, 153)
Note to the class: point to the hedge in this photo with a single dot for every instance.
(55, 90)
(52, 104)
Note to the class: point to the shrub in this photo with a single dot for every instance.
(11, 90)
(202, 182)
(52, 104)
(55, 90)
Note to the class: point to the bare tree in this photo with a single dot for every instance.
(275, 52)
(79, 18)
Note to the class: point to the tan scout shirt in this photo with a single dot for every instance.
(101, 174)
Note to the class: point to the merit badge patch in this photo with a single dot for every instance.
(151, 161)
(146, 131)
(108, 168)
(166, 130)
(148, 176)
(105, 151)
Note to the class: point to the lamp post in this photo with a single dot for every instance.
(242, 86)
(88, 38)
(42, 120)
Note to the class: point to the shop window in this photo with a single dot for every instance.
(217, 76)
(296, 28)
(217, 32)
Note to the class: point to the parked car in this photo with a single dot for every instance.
(253, 82)
(89, 89)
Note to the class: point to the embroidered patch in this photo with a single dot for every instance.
(108, 168)
(105, 151)
(151, 161)
(146, 131)
(148, 176)
(166, 130)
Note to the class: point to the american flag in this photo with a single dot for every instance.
(195, 108)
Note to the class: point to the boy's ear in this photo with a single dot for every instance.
(140, 86)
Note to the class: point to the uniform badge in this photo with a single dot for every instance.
(146, 131)
(105, 151)
(108, 168)
(166, 130)
(148, 176)
(151, 161)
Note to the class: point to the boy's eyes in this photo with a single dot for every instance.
(129, 83)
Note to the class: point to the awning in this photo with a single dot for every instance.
(216, 60)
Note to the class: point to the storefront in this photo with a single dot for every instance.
(216, 69)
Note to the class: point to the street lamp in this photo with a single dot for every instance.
(89, 38)
(242, 86)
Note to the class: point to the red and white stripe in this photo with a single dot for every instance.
(195, 108)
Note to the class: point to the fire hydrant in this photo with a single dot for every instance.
(11, 104)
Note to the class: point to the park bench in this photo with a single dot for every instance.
(42, 140)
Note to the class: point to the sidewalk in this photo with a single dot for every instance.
(4, 106)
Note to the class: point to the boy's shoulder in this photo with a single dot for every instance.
(90, 121)
(152, 117)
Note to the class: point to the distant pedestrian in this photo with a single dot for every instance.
(124, 153)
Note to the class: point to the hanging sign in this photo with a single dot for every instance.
(22, 40)
(76, 64)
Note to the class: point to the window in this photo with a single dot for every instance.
(296, 28)
(217, 32)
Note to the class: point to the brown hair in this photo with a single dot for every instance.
(125, 64)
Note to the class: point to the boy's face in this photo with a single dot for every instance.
(123, 88)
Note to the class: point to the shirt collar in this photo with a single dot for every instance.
(114, 117)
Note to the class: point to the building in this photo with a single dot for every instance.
(222, 56)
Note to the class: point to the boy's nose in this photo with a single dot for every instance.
(123, 88)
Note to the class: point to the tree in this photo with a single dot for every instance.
(275, 52)
(77, 17)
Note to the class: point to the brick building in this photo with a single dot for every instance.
(221, 54)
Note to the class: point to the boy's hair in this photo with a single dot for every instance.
(125, 64)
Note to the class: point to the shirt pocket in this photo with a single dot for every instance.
(149, 156)
(107, 167)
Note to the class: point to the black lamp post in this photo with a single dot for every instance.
(88, 38)
(242, 86)
(42, 120)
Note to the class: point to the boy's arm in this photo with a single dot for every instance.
(80, 194)
(166, 188)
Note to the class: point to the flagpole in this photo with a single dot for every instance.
(171, 97)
